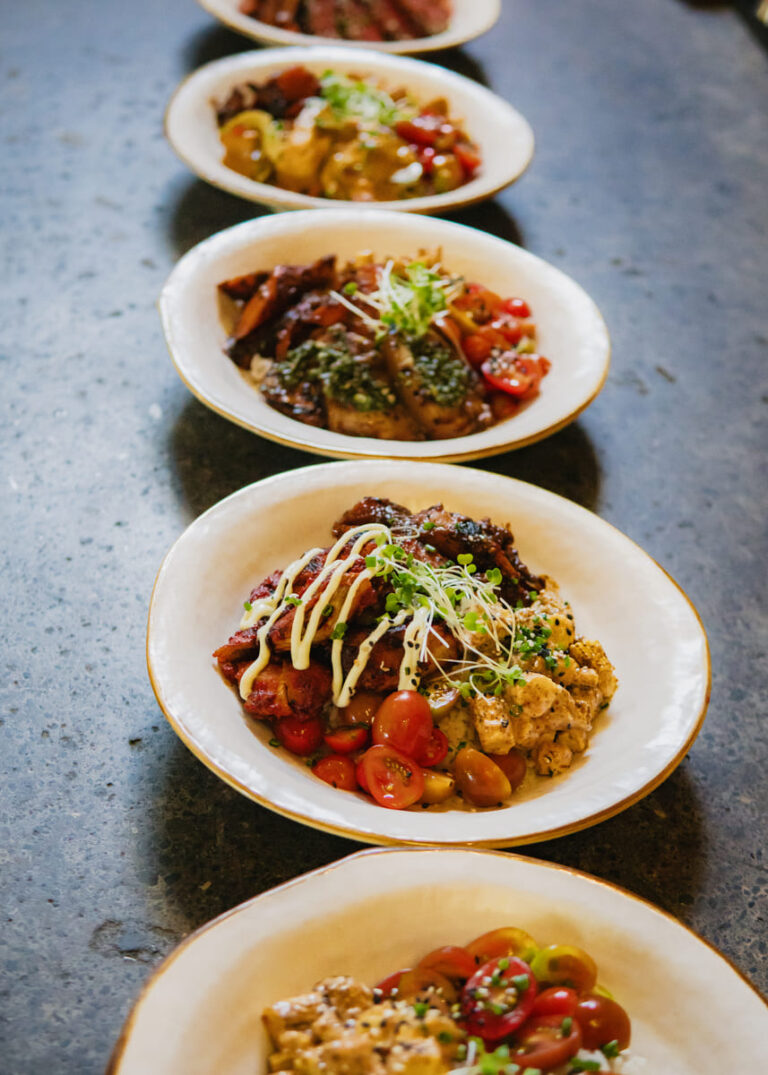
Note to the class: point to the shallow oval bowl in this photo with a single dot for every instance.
(469, 20)
(648, 627)
(504, 137)
(571, 332)
(375, 912)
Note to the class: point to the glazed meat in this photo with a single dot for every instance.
(355, 20)
(284, 691)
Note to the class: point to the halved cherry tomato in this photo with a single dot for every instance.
(404, 721)
(544, 1042)
(479, 779)
(347, 740)
(602, 1020)
(562, 964)
(507, 941)
(477, 348)
(509, 327)
(388, 986)
(480, 301)
(498, 998)
(558, 1000)
(435, 750)
(520, 375)
(422, 980)
(438, 786)
(513, 765)
(469, 157)
(452, 961)
(423, 130)
(301, 737)
(361, 777)
(517, 307)
(393, 779)
(362, 708)
(297, 82)
(337, 770)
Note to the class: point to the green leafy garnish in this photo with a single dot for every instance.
(339, 631)
(353, 99)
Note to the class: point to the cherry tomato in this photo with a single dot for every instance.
(436, 749)
(426, 158)
(477, 348)
(520, 375)
(388, 986)
(423, 130)
(362, 708)
(437, 787)
(392, 778)
(558, 1000)
(404, 721)
(337, 770)
(480, 301)
(297, 82)
(509, 327)
(301, 737)
(441, 700)
(361, 777)
(452, 961)
(469, 158)
(602, 1020)
(498, 998)
(513, 765)
(348, 739)
(543, 1043)
(562, 964)
(517, 307)
(424, 979)
(507, 941)
(479, 779)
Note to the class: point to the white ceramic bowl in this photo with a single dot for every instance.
(371, 914)
(571, 332)
(649, 629)
(502, 134)
(470, 19)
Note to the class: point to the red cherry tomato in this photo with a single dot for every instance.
(517, 307)
(387, 986)
(510, 328)
(498, 998)
(361, 777)
(394, 780)
(469, 158)
(424, 980)
(602, 1020)
(337, 770)
(559, 1000)
(519, 375)
(506, 941)
(436, 749)
(301, 737)
(423, 130)
(544, 1043)
(452, 961)
(347, 740)
(404, 721)
(513, 766)
(479, 779)
(477, 348)
(426, 157)
(362, 708)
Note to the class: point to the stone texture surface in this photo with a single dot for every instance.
(649, 186)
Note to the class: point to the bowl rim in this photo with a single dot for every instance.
(345, 447)
(494, 843)
(274, 36)
(115, 1060)
(278, 198)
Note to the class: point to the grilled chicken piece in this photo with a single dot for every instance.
(284, 691)
(431, 16)
(320, 17)
(382, 672)
(443, 393)
(394, 424)
(374, 509)
(355, 22)
(393, 23)
(280, 290)
(305, 402)
(366, 596)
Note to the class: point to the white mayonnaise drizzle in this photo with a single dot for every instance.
(323, 588)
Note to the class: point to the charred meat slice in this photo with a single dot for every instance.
(442, 392)
(303, 402)
(284, 691)
(430, 16)
(374, 509)
(354, 21)
(393, 23)
(282, 288)
(243, 287)
(320, 17)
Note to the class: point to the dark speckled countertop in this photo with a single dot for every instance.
(649, 186)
